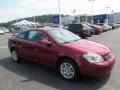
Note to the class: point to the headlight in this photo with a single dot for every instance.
(93, 58)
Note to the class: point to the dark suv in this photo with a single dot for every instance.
(79, 30)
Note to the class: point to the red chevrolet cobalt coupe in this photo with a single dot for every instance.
(61, 49)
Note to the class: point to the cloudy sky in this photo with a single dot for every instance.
(12, 9)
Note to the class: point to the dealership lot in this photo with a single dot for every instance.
(32, 76)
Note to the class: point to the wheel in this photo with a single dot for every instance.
(96, 33)
(68, 69)
(15, 56)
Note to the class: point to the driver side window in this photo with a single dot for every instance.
(36, 36)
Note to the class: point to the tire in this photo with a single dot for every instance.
(82, 36)
(68, 69)
(88, 34)
(15, 56)
(96, 33)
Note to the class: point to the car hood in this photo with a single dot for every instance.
(86, 46)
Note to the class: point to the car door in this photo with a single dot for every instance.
(24, 47)
(41, 52)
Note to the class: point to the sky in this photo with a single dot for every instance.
(14, 9)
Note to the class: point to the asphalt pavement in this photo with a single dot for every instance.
(32, 76)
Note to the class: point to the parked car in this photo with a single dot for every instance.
(57, 26)
(88, 28)
(79, 30)
(63, 50)
(2, 32)
(113, 26)
(4, 29)
(98, 29)
(66, 27)
(105, 27)
(16, 30)
(118, 25)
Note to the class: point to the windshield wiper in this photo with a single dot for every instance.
(65, 42)
(76, 40)
(71, 41)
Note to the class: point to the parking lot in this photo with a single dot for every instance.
(32, 76)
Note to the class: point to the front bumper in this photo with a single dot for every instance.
(87, 33)
(92, 31)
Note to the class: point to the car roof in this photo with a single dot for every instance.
(44, 29)
(47, 28)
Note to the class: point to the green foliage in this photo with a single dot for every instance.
(40, 19)
(8, 24)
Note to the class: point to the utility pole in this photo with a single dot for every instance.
(107, 8)
(34, 21)
(92, 20)
(59, 13)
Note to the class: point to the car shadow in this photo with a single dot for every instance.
(47, 76)
(85, 38)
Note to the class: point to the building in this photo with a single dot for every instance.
(114, 18)
(102, 18)
(67, 19)
(81, 18)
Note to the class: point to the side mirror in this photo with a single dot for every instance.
(45, 42)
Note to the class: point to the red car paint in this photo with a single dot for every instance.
(97, 29)
(75, 50)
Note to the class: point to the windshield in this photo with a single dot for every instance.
(86, 26)
(63, 36)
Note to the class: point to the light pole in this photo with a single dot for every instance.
(107, 14)
(16, 20)
(59, 13)
(34, 21)
(113, 16)
(92, 20)
(86, 17)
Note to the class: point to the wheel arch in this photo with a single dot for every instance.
(66, 57)
(12, 48)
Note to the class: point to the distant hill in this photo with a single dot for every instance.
(40, 19)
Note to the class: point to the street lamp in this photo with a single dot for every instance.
(59, 13)
(107, 14)
(92, 21)
(34, 21)
(113, 16)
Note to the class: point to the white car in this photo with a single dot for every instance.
(2, 32)
(117, 25)
(105, 27)
(6, 30)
